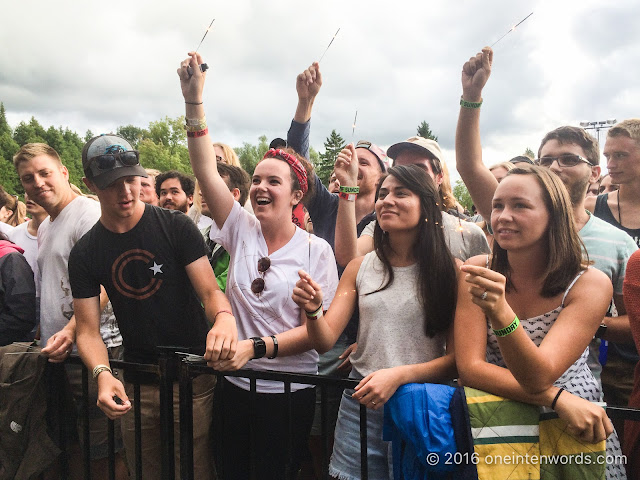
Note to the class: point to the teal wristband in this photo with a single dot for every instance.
(503, 332)
(465, 104)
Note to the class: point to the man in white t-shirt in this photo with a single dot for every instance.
(46, 181)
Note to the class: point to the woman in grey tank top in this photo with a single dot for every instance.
(406, 292)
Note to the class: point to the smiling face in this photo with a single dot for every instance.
(45, 180)
(519, 217)
(271, 192)
(623, 159)
(397, 207)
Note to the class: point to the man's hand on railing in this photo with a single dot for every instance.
(112, 399)
(222, 339)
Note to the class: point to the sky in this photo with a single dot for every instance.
(96, 65)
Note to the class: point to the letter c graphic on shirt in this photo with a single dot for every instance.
(117, 275)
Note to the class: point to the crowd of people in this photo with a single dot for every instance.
(377, 276)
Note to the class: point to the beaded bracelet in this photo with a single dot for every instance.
(465, 104)
(503, 332)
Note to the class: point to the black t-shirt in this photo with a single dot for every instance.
(143, 273)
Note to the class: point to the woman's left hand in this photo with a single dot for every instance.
(244, 353)
(487, 289)
(375, 389)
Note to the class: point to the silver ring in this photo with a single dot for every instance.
(372, 402)
(484, 295)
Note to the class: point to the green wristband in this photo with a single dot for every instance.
(344, 189)
(503, 332)
(465, 104)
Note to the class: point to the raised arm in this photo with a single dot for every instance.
(308, 85)
(201, 153)
(476, 176)
(346, 236)
(325, 328)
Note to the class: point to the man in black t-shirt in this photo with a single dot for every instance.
(153, 264)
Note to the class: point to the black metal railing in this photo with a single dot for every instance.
(173, 367)
(177, 367)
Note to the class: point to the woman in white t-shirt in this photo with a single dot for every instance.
(266, 252)
(406, 294)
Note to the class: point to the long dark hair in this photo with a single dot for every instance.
(437, 283)
(566, 255)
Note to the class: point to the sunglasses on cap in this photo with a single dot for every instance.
(109, 161)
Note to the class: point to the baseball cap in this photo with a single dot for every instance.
(383, 160)
(106, 158)
(418, 144)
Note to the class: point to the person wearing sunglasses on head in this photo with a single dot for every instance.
(152, 262)
(266, 251)
(70, 215)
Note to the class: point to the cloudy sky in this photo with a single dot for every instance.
(98, 65)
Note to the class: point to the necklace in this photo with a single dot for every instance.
(619, 214)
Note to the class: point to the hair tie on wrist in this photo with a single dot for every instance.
(555, 400)
(193, 103)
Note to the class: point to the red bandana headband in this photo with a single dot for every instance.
(298, 169)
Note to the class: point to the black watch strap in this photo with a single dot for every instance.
(602, 330)
(259, 347)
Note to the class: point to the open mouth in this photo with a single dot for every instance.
(262, 201)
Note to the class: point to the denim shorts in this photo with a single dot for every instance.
(345, 461)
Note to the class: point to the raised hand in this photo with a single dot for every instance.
(308, 83)
(487, 289)
(475, 74)
(192, 83)
(346, 166)
(307, 294)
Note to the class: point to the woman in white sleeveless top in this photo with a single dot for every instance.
(523, 325)
(406, 292)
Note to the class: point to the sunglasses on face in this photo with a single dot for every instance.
(567, 160)
(108, 161)
(258, 285)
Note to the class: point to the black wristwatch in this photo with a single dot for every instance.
(602, 330)
(259, 347)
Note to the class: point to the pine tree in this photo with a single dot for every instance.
(332, 146)
(4, 125)
(425, 132)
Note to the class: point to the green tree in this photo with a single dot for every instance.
(250, 154)
(88, 135)
(529, 153)
(425, 132)
(133, 134)
(462, 195)
(162, 146)
(4, 125)
(332, 146)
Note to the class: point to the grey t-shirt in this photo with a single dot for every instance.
(391, 331)
(464, 239)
